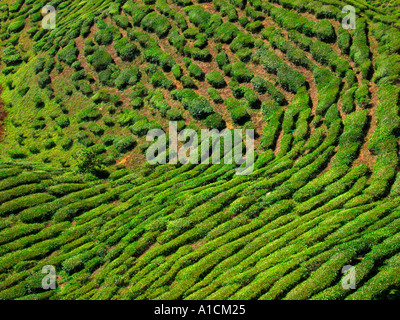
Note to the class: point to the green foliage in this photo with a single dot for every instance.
(89, 114)
(16, 26)
(158, 101)
(344, 40)
(137, 11)
(215, 121)
(301, 40)
(238, 110)
(215, 79)
(252, 98)
(95, 129)
(328, 88)
(323, 191)
(18, 153)
(214, 95)
(199, 107)
(125, 144)
(259, 84)
(362, 97)
(290, 79)
(254, 27)
(100, 59)
(195, 71)
(176, 39)
(158, 79)
(141, 127)
(127, 51)
(187, 82)
(198, 16)
(222, 59)
(241, 72)
(121, 21)
(288, 19)
(325, 31)
(128, 77)
(181, 21)
(359, 50)
(68, 54)
(348, 100)
(226, 32)
(177, 71)
(154, 22)
(104, 36)
(44, 79)
(89, 162)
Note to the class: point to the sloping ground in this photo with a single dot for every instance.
(195, 232)
(324, 192)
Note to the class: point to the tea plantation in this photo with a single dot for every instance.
(76, 192)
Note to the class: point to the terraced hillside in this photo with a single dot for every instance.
(77, 193)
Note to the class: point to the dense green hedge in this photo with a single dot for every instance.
(351, 139)
(156, 23)
(290, 79)
(16, 26)
(198, 107)
(127, 51)
(241, 72)
(214, 95)
(226, 32)
(198, 16)
(200, 231)
(238, 109)
(100, 59)
(128, 77)
(215, 121)
(325, 31)
(328, 89)
(288, 19)
(68, 54)
(359, 50)
(215, 79)
(24, 202)
(195, 71)
(273, 114)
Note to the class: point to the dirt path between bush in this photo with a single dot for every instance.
(3, 115)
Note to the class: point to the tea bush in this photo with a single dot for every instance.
(241, 73)
(215, 79)
(156, 23)
(100, 59)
